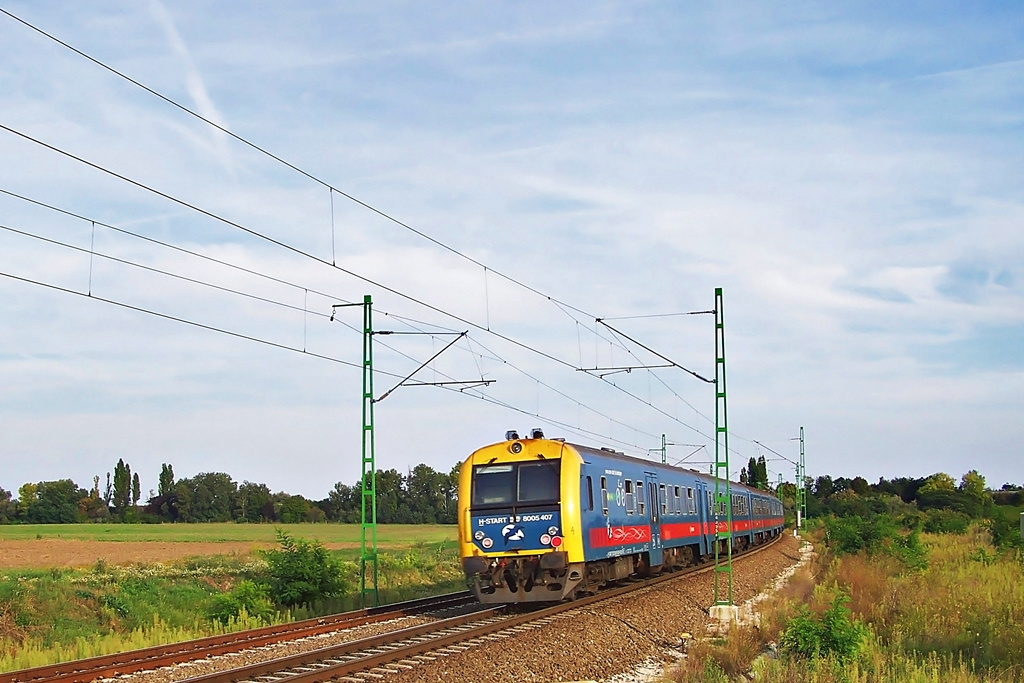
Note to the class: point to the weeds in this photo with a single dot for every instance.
(833, 634)
(955, 618)
(53, 616)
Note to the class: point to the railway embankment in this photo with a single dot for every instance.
(613, 637)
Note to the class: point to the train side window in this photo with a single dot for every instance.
(664, 500)
(689, 501)
(640, 498)
(678, 501)
(629, 497)
(604, 496)
(590, 493)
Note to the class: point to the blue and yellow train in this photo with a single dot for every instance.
(544, 520)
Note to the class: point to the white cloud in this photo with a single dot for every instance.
(855, 191)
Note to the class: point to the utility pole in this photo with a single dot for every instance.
(723, 488)
(368, 487)
(368, 494)
(368, 480)
(801, 485)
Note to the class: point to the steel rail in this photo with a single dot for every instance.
(402, 648)
(85, 670)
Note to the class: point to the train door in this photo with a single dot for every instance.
(656, 555)
(703, 516)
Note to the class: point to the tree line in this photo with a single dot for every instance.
(422, 496)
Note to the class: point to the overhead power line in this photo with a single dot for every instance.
(322, 261)
(408, 321)
(92, 253)
(484, 327)
(290, 165)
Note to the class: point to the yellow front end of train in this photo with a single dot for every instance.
(520, 535)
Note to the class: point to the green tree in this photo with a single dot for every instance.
(250, 501)
(206, 497)
(165, 486)
(343, 503)
(27, 497)
(136, 489)
(8, 507)
(293, 509)
(823, 487)
(761, 481)
(859, 485)
(425, 493)
(56, 502)
(122, 488)
(302, 571)
(940, 481)
(389, 498)
(973, 484)
(92, 507)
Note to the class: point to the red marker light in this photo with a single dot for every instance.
(556, 542)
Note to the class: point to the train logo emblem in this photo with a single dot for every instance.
(513, 532)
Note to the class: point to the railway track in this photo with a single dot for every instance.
(85, 670)
(372, 658)
(359, 660)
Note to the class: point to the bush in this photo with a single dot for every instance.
(303, 571)
(1005, 533)
(853, 534)
(248, 597)
(833, 634)
(940, 521)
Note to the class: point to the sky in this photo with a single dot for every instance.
(849, 173)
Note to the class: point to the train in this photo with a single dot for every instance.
(543, 520)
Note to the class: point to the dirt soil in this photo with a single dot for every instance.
(45, 553)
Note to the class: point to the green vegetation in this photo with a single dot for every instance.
(396, 536)
(302, 572)
(57, 615)
(833, 634)
(424, 496)
(877, 613)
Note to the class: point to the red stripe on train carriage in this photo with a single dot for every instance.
(619, 535)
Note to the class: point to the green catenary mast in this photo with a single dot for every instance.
(723, 489)
(801, 484)
(368, 495)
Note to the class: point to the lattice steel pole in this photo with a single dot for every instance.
(723, 488)
(368, 494)
(802, 484)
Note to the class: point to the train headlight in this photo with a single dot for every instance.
(545, 539)
(479, 535)
(486, 543)
(516, 447)
(552, 531)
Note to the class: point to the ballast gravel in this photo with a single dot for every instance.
(201, 667)
(595, 643)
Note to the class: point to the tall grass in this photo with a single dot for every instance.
(50, 616)
(956, 618)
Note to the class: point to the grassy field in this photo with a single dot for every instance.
(392, 536)
(50, 614)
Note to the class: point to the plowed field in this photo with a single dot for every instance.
(56, 552)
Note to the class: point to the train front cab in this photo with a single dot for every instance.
(519, 532)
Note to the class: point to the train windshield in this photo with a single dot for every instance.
(538, 481)
(516, 483)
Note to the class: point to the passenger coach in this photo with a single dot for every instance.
(542, 520)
